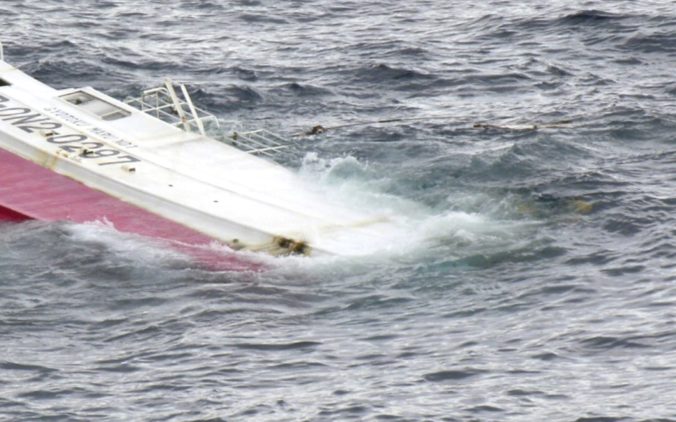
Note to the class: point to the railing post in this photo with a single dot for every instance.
(2, 53)
(195, 117)
(177, 104)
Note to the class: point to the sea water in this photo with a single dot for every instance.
(534, 277)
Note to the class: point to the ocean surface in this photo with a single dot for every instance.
(535, 280)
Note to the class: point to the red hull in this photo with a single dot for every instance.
(29, 191)
(10, 215)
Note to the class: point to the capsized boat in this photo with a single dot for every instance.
(147, 166)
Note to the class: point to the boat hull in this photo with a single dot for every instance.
(29, 191)
(7, 214)
(80, 155)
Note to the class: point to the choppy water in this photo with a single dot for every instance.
(537, 280)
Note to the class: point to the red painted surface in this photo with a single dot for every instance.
(7, 214)
(29, 191)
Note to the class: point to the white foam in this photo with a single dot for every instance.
(131, 246)
(416, 230)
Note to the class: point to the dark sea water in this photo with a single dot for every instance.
(536, 279)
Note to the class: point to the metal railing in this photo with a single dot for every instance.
(175, 107)
(2, 53)
(165, 104)
(260, 142)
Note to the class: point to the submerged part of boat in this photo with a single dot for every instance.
(80, 155)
